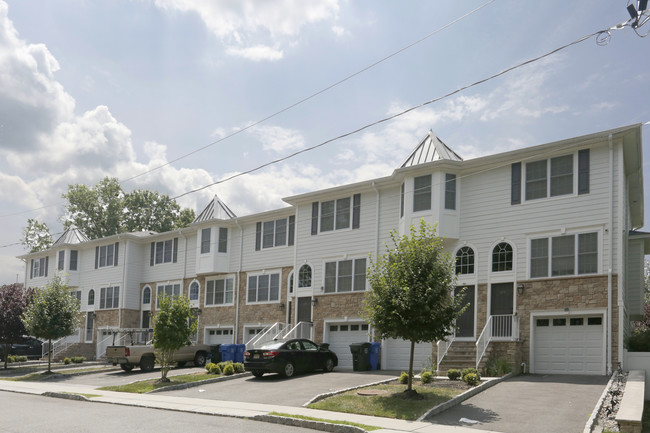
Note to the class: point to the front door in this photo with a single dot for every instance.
(501, 309)
(304, 309)
(145, 319)
(90, 326)
(465, 323)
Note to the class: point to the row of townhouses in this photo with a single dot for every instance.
(544, 239)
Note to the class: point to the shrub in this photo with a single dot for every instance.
(209, 366)
(453, 374)
(638, 341)
(496, 367)
(78, 359)
(223, 364)
(11, 358)
(229, 369)
(404, 378)
(239, 367)
(18, 358)
(426, 377)
(472, 379)
(467, 371)
(67, 361)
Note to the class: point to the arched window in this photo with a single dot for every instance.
(502, 257)
(91, 297)
(194, 291)
(304, 276)
(465, 261)
(146, 295)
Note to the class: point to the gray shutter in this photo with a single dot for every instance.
(292, 230)
(116, 253)
(152, 255)
(314, 218)
(47, 264)
(31, 270)
(356, 211)
(175, 253)
(96, 257)
(515, 193)
(583, 171)
(258, 236)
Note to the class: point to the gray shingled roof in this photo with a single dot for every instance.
(71, 236)
(216, 209)
(431, 148)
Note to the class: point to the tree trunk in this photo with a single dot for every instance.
(49, 356)
(5, 354)
(410, 386)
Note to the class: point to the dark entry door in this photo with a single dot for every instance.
(465, 323)
(501, 303)
(145, 319)
(304, 309)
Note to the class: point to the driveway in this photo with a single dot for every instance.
(530, 403)
(275, 389)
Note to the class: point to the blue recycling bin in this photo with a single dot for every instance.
(373, 355)
(228, 352)
(239, 352)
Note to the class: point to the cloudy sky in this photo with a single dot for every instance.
(90, 89)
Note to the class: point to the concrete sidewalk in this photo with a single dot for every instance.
(220, 407)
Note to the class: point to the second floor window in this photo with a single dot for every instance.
(263, 288)
(61, 264)
(205, 240)
(164, 252)
(109, 297)
(465, 261)
(167, 290)
(339, 214)
(275, 233)
(73, 260)
(345, 276)
(219, 292)
(502, 257)
(39, 267)
(422, 193)
(564, 255)
(107, 255)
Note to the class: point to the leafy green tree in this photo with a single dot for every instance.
(411, 291)
(173, 324)
(52, 314)
(36, 236)
(13, 302)
(105, 210)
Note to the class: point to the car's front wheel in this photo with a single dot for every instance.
(258, 373)
(288, 370)
(199, 359)
(329, 365)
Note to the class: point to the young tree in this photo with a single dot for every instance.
(173, 324)
(36, 236)
(52, 314)
(411, 291)
(13, 302)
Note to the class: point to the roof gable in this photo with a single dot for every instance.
(71, 236)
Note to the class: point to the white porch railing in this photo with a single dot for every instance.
(443, 347)
(503, 327)
(268, 334)
(61, 344)
(301, 330)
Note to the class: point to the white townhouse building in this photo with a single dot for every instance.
(545, 239)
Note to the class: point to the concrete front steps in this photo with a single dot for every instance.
(461, 354)
(87, 350)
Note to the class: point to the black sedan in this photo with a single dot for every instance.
(288, 357)
(30, 347)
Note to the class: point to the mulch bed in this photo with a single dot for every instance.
(439, 383)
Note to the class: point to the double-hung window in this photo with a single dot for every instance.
(340, 214)
(263, 288)
(450, 191)
(564, 255)
(107, 255)
(172, 289)
(61, 264)
(275, 233)
(422, 193)
(222, 247)
(219, 292)
(109, 297)
(73, 260)
(345, 276)
(205, 240)
(39, 267)
(164, 252)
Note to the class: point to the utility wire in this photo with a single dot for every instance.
(313, 95)
(431, 101)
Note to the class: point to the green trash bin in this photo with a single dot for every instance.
(360, 356)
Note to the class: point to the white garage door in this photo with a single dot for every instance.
(569, 345)
(398, 352)
(219, 336)
(341, 335)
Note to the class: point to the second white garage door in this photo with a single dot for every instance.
(569, 345)
(397, 354)
(341, 335)
(219, 336)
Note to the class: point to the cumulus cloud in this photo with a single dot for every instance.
(255, 30)
(277, 138)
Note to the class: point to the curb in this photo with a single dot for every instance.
(341, 391)
(591, 422)
(65, 396)
(314, 425)
(464, 396)
(197, 383)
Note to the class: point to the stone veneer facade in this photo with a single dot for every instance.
(335, 306)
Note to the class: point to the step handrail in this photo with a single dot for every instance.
(443, 347)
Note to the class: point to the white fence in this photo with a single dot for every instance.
(638, 361)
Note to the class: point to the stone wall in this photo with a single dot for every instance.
(335, 306)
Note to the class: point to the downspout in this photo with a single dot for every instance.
(620, 281)
(292, 290)
(374, 187)
(241, 247)
(124, 283)
(611, 256)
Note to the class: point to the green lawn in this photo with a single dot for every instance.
(149, 385)
(36, 377)
(390, 405)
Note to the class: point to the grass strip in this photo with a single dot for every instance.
(393, 404)
(311, 418)
(144, 386)
(36, 377)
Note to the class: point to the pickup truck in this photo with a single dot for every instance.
(144, 356)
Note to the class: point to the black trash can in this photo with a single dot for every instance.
(360, 356)
(216, 353)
